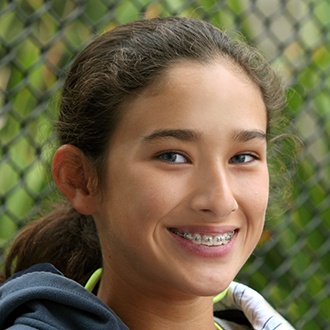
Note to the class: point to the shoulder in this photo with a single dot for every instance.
(41, 297)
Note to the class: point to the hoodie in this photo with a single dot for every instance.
(42, 298)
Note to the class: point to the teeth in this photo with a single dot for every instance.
(187, 236)
(207, 240)
(219, 240)
(197, 239)
(222, 239)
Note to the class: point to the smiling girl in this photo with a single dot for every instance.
(163, 132)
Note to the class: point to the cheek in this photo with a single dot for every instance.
(155, 198)
(262, 194)
(258, 198)
(254, 192)
(260, 202)
(141, 199)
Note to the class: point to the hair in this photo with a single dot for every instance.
(107, 74)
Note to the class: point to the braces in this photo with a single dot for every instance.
(206, 239)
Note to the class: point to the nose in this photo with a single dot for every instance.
(213, 194)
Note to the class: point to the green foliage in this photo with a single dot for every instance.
(303, 232)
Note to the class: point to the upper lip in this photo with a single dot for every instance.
(206, 230)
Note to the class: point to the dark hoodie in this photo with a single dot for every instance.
(42, 298)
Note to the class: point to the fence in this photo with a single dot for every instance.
(38, 38)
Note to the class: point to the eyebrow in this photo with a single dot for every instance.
(247, 135)
(185, 135)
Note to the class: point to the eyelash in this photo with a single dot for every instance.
(172, 153)
(253, 156)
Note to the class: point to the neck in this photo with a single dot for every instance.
(140, 307)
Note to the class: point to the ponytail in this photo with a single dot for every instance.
(64, 238)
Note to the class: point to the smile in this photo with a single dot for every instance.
(208, 240)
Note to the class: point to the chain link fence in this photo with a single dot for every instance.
(39, 38)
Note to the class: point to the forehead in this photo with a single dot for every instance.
(178, 71)
(202, 97)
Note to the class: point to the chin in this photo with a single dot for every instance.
(210, 285)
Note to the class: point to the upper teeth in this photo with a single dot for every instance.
(209, 240)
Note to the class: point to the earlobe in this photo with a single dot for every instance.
(75, 178)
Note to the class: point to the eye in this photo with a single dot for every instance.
(242, 158)
(172, 157)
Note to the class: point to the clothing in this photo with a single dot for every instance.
(257, 310)
(42, 298)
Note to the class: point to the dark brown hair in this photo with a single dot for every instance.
(106, 75)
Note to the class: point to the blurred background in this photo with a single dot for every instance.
(39, 39)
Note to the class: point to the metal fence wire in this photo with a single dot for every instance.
(39, 38)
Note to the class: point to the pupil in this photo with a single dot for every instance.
(239, 159)
(170, 157)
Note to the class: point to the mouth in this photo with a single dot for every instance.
(204, 239)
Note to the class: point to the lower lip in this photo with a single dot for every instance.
(204, 251)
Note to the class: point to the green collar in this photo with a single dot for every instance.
(93, 280)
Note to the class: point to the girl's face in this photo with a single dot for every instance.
(187, 183)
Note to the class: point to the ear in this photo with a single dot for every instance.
(75, 178)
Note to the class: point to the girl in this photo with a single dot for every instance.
(163, 132)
